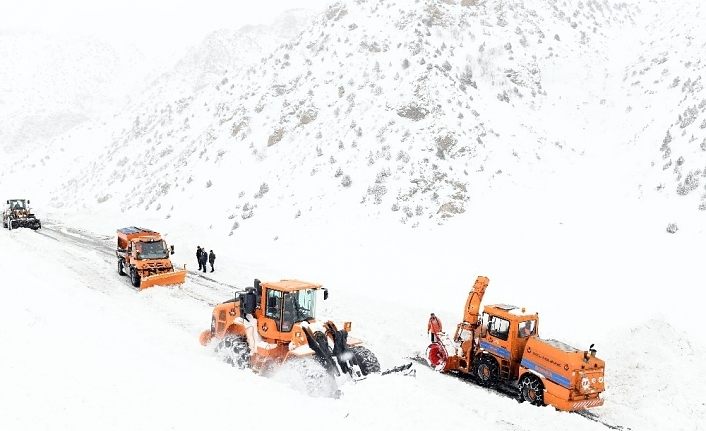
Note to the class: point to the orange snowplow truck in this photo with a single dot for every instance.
(273, 323)
(144, 257)
(501, 348)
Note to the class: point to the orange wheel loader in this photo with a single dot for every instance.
(501, 348)
(144, 256)
(273, 324)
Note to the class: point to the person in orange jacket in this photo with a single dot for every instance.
(434, 326)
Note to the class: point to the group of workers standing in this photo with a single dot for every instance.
(203, 257)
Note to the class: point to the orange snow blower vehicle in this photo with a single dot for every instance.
(143, 256)
(501, 348)
(273, 324)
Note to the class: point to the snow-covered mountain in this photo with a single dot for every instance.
(392, 150)
(51, 84)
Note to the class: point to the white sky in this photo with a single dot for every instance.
(151, 24)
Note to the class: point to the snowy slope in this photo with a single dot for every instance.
(406, 108)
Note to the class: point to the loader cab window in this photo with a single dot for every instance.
(497, 327)
(526, 328)
(17, 205)
(274, 305)
(298, 307)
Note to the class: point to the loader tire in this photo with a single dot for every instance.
(532, 389)
(234, 351)
(121, 267)
(367, 361)
(134, 278)
(487, 371)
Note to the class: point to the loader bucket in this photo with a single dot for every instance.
(171, 277)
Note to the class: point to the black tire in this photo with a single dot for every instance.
(121, 267)
(366, 360)
(532, 389)
(235, 351)
(487, 371)
(134, 278)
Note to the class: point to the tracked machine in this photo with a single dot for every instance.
(144, 256)
(18, 214)
(272, 325)
(501, 348)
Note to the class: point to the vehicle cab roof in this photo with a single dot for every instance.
(510, 312)
(138, 233)
(290, 285)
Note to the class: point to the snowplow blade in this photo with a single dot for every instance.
(172, 277)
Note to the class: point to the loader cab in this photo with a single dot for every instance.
(286, 303)
(17, 204)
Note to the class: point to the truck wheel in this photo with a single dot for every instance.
(487, 371)
(366, 360)
(532, 389)
(234, 351)
(121, 267)
(134, 278)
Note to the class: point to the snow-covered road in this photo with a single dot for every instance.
(83, 350)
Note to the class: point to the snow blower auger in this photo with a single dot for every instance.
(19, 215)
(144, 257)
(273, 325)
(501, 349)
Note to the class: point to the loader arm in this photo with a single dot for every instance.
(475, 296)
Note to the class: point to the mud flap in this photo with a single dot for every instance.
(166, 278)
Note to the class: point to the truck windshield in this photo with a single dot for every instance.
(298, 307)
(152, 250)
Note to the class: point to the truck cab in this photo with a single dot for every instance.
(144, 256)
(504, 332)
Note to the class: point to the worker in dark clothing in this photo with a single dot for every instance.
(203, 259)
(211, 258)
(198, 256)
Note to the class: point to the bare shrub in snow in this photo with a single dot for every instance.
(346, 181)
(672, 228)
(382, 175)
(208, 183)
(307, 116)
(688, 116)
(101, 199)
(338, 173)
(413, 111)
(444, 144)
(264, 188)
(275, 137)
(449, 209)
(691, 183)
(247, 211)
(403, 157)
(377, 191)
